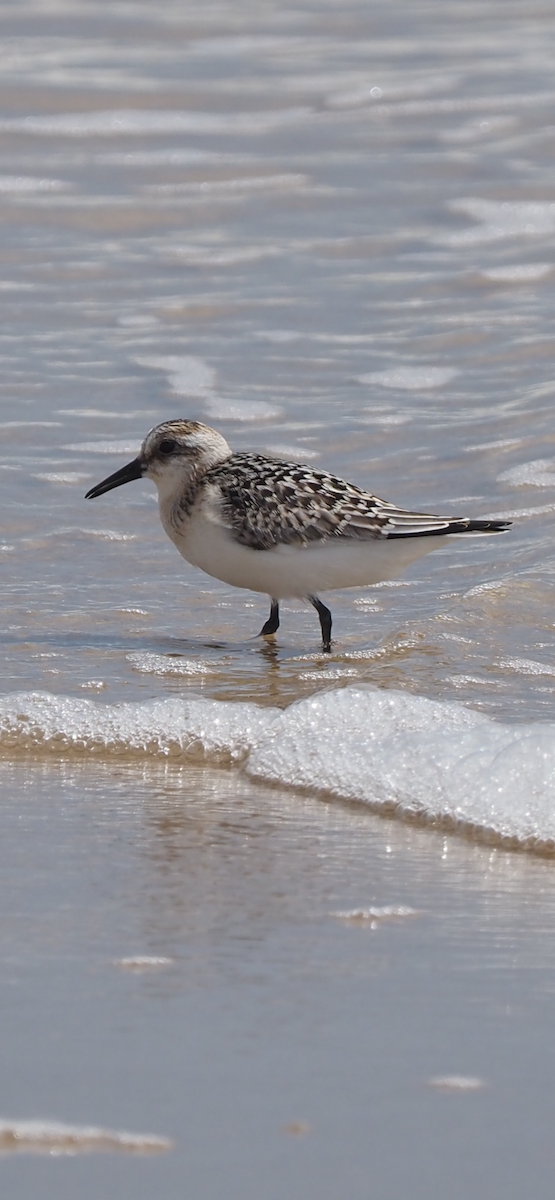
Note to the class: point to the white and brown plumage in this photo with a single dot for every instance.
(278, 527)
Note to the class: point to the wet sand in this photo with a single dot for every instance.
(285, 1046)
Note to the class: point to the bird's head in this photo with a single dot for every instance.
(173, 454)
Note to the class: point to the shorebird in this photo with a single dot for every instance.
(278, 527)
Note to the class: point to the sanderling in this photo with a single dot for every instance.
(277, 527)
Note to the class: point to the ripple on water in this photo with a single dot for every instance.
(411, 379)
(138, 122)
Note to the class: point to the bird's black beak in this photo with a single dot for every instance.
(133, 470)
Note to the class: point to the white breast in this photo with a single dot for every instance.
(291, 570)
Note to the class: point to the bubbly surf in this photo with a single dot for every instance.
(402, 754)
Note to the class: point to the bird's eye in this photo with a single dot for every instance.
(167, 446)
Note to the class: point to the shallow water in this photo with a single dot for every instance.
(351, 272)
(329, 232)
(284, 1046)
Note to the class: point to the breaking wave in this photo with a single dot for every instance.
(398, 753)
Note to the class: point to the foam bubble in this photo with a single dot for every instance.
(355, 97)
(330, 674)
(370, 92)
(375, 914)
(479, 127)
(160, 664)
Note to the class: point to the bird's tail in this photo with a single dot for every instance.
(413, 525)
(467, 526)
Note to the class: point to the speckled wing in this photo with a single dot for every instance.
(266, 503)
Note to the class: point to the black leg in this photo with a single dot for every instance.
(325, 621)
(272, 624)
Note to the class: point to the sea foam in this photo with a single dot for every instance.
(401, 754)
(198, 730)
(418, 758)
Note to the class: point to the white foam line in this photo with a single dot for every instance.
(297, 453)
(216, 187)
(62, 476)
(411, 378)
(56, 1138)
(123, 446)
(396, 752)
(417, 757)
(109, 535)
(375, 914)
(30, 424)
(196, 730)
(219, 408)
